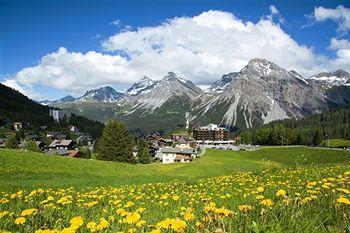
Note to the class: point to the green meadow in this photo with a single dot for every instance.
(28, 170)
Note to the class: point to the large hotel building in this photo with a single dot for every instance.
(210, 132)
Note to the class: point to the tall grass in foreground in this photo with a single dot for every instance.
(301, 199)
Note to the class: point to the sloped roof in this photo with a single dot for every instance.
(177, 150)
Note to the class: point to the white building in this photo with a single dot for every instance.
(171, 155)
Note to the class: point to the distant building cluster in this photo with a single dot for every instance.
(59, 114)
(210, 132)
(50, 142)
(183, 147)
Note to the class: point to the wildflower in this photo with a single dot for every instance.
(20, 220)
(281, 193)
(260, 189)
(28, 212)
(76, 222)
(244, 208)
(91, 226)
(189, 216)
(267, 202)
(3, 214)
(132, 218)
(343, 200)
(141, 223)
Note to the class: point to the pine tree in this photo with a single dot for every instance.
(115, 144)
(11, 142)
(318, 137)
(143, 152)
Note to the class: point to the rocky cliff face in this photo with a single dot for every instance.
(258, 94)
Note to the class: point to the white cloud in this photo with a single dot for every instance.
(342, 48)
(200, 48)
(115, 22)
(208, 45)
(76, 72)
(341, 15)
(274, 12)
(27, 91)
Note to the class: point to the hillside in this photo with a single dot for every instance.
(17, 107)
(23, 170)
(329, 125)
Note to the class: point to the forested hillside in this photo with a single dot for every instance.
(17, 107)
(310, 130)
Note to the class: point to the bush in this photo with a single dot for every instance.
(32, 146)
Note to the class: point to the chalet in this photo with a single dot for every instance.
(183, 143)
(165, 142)
(67, 153)
(171, 155)
(40, 144)
(55, 135)
(135, 150)
(17, 126)
(73, 128)
(61, 144)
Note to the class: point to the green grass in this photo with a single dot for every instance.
(28, 170)
(336, 143)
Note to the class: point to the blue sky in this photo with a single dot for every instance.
(30, 30)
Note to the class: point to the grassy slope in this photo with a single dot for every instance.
(20, 169)
(336, 143)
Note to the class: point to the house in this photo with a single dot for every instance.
(183, 143)
(52, 135)
(135, 150)
(67, 153)
(73, 128)
(40, 144)
(171, 155)
(75, 154)
(61, 144)
(17, 126)
(165, 142)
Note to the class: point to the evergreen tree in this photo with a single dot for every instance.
(32, 146)
(115, 144)
(11, 142)
(318, 137)
(143, 152)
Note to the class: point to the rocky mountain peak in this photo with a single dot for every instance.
(102, 94)
(143, 85)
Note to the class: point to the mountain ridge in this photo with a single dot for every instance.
(259, 93)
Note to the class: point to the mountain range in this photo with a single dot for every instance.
(259, 93)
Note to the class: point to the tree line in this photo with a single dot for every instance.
(311, 130)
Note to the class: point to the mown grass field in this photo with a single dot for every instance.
(20, 169)
(336, 143)
(293, 189)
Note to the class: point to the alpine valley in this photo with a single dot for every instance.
(258, 94)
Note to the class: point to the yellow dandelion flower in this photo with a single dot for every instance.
(20, 220)
(343, 200)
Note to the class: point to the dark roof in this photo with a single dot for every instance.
(59, 152)
(177, 150)
(182, 141)
(166, 140)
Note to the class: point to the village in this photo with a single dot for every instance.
(184, 146)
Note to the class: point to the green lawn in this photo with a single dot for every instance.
(27, 170)
(336, 143)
